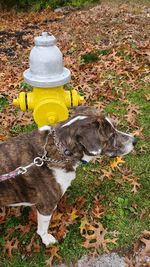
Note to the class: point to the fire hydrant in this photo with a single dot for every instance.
(48, 100)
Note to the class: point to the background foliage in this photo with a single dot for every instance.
(41, 4)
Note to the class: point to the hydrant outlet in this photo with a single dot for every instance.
(16, 102)
(80, 99)
(21, 101)
(76, 98)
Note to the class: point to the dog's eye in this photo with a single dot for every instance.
(96, 124)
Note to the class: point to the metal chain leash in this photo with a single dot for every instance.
(38, 161)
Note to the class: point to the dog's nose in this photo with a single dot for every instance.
(134, 141)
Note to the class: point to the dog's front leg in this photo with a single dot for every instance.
(42, 230)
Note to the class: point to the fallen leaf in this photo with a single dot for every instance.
(147, 96)
(33, 246)
(83, 224)
(138, 132)
(2, 214)
(107, 173)
(53, 251)
(10, 246)
(136, 185)
(33, 215)
(146, 240)
(97, 210)
(74, 214)
(56, 218)
(133, 180)
(114, 164)
(129, 262)
(94, 234)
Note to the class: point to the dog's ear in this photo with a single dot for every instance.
(105, 126)
(84, 110)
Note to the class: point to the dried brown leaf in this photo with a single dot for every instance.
(94, 234)
(53, 251)
(107, 173)
(33, 246)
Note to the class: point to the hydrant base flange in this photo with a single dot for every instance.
(41, 82)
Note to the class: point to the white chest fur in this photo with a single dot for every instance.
(64, 178)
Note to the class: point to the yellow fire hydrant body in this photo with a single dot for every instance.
(48, 100)
(49, 105)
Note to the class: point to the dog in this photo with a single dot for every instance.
(48, 157)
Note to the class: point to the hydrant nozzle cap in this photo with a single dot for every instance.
(16, 101)
(81, 99)
(45, 40)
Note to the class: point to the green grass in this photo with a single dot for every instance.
(37, 260)
(121, 215)
(138, 97)
(24, 86)
(17, 128)
(71, 248)
(3, 102)
(116, 107)
(93, 56)
(24, 5)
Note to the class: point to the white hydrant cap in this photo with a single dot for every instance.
(46, 64)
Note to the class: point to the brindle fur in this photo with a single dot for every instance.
(21, 151)
(38, 186)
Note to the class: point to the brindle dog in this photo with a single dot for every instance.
(81, 137)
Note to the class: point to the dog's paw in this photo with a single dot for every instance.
(48, 239)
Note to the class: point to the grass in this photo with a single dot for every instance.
(42, 4)
(37, 260)
(3, 102)
(24, 86)
(17, 128)
(139, 98)
(71, 248)
(93, 56)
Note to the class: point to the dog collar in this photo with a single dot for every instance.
(83, 161)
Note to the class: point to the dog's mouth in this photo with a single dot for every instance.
(92, 152)
(119, 153)
(86, 151)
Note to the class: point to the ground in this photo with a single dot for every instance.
(106, 47)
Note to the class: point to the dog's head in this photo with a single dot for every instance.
(95, 134)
